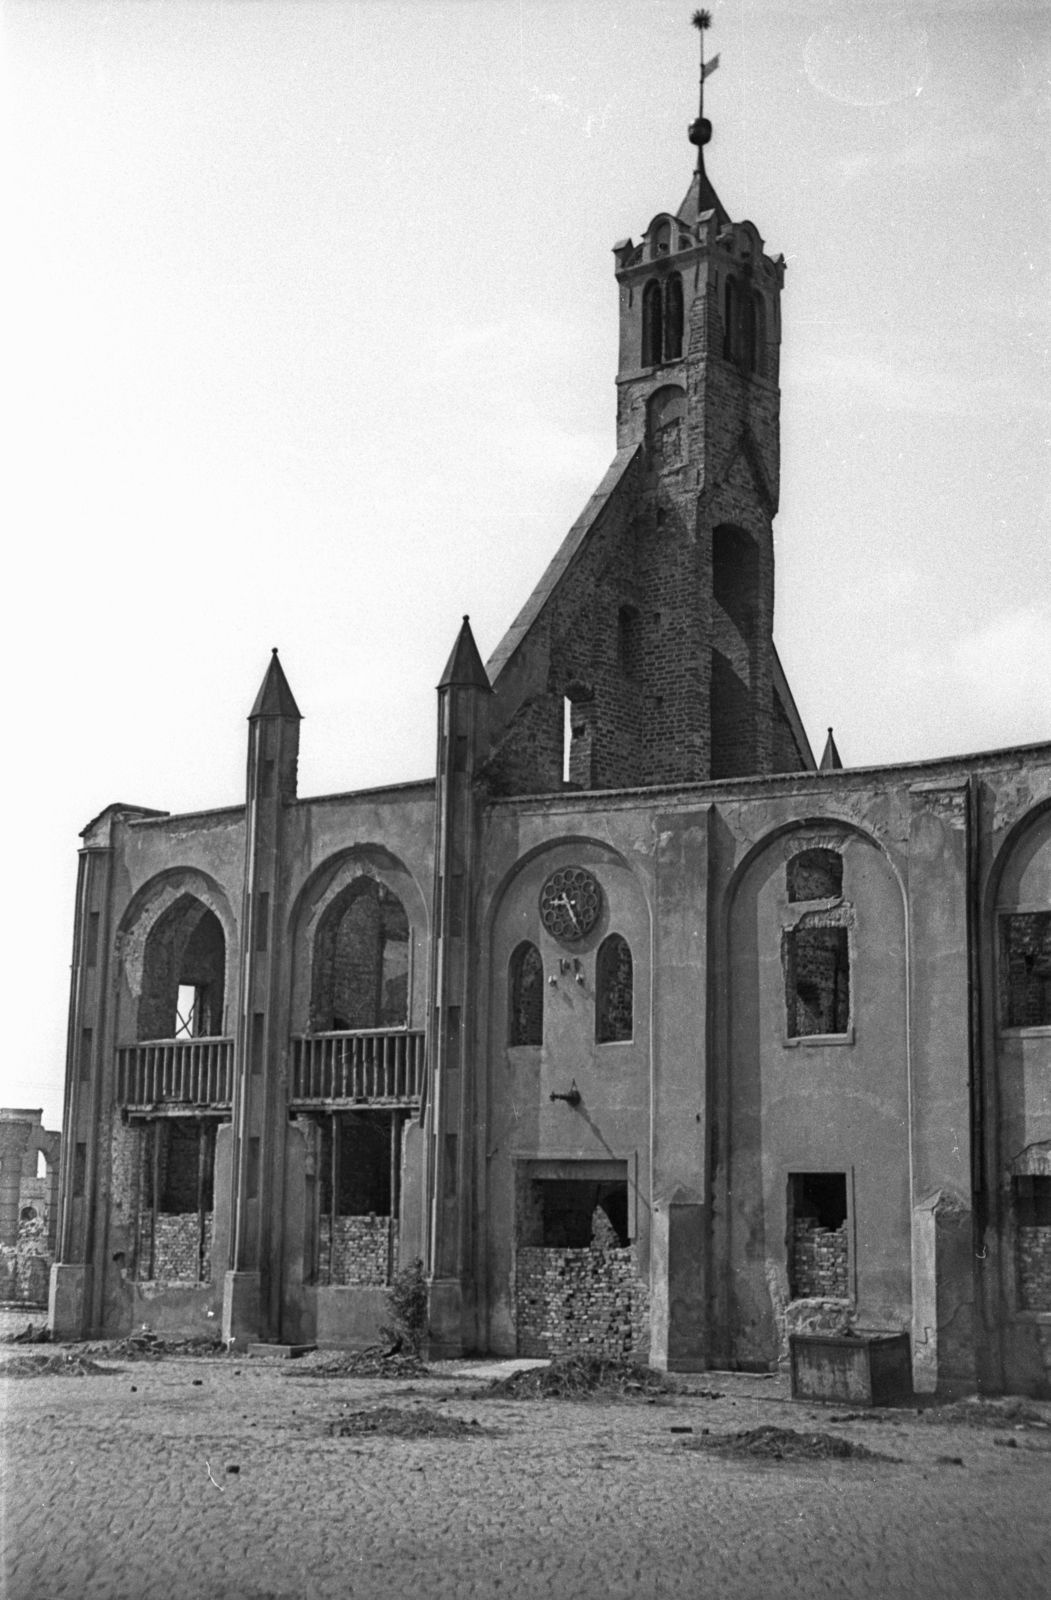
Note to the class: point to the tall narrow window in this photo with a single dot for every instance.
(673, 318)
(731, 319)
(1025, 969)
(527, 996)
(1032, 1203)
(759, 339)
(818, 1252)
(817, 981)
(614, 991)
(652, 324)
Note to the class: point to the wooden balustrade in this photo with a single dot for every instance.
(373, 1066)
(192, 1072)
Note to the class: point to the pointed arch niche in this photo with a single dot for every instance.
(525, 992)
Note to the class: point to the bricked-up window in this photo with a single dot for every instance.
(815, 875)
(818, 1255)
(361, 960)
(614, 991)
(178, 1183)
(652, 324)
(666, 425)
(629, 641)
(817, 980)
(356, 1196)
(526, 996)
(1025, 969)
(1032, 1210)
(185, 950)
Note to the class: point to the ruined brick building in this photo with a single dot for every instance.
(647, 1034)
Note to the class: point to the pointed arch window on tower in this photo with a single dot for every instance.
(673, 318)
(652, 324)
(526, 1022)
(614, 991)
(744, 326)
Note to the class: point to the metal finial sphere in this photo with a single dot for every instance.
(700, 131)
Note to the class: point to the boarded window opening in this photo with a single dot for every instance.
(614, 991)
(361, 960)
(815, 875)
(574, 1213)
(1032, 1208)
(1025, 969)
(817, 981)
(818, 1255)
(526, 996)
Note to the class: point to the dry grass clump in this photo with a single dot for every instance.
(377, 1361)
(580, 1377)
(59, 1364)
(785, 1444)
(396, 1422)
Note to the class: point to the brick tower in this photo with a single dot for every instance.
(651, 633)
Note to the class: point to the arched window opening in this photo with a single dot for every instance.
(662, 239)
(673, 318)
(815, 875)
(652, 324)
(361, 961)
(527, 996)
(614, 991)
(665, 426)
(183, 973)
(735, 577)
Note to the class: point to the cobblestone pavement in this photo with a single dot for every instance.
(118, 1488)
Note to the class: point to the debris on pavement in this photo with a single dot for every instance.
(395, 1422)
(785, 1444)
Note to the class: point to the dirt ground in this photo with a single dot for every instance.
(122, 1487)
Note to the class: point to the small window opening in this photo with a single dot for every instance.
(662, 239)
(817, 981)
(578, 738)
(614, 986)
(818, 1255)
(567, 736)
(1032, 1209)
(527, 997)
(185, 1009)
(815, 875)
(1025, 969)
(575, 1213)
(41, 1164)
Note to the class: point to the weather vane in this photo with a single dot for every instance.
(701, 130)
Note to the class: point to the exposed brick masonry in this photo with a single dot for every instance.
(361, 1253)
(1034, 1269)
(819, 1261)
(590, 1300)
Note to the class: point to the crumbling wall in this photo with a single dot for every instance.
(359, 1255)
(820, 1265)
(589, 1300)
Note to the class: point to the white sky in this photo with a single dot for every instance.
(311, 339)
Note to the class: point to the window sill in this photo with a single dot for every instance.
(809, 1041)
(1038, 1031)
(1042, 1319)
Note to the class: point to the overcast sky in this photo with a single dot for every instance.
(311, 339)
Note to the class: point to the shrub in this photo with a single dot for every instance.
(407, 1306)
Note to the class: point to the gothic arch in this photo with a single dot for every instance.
(152, 902)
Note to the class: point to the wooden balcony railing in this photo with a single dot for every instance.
(190, 1072)
(370, 1066)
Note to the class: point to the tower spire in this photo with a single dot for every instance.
(700, 196)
